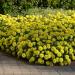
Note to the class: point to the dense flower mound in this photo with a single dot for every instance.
(46, 40)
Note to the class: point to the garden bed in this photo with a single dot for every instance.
(46, 40)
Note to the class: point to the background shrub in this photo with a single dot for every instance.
(21, 6)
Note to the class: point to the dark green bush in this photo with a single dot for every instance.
(20, 6)
(67, 4)
(17, 6)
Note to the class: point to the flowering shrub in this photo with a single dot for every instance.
(47, 40)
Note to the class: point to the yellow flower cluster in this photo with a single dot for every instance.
(47, 40)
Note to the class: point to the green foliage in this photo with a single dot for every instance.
(32, 59)
(66, 4)
(20, 7)
(23, 55)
